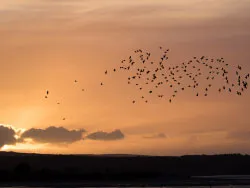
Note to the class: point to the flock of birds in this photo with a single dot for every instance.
(150, 76)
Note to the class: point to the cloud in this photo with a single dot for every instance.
(7, 136)
(159, 135)
(239, 135)
(53, 135)
(100, 135)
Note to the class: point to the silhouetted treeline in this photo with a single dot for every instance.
(36, 167)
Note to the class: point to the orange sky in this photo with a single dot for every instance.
(47, 44)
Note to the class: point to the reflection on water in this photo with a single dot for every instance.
(229, 186)
(230, 177)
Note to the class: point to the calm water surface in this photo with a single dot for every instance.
(230, 186)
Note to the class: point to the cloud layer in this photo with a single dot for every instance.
(105, 136)
(53, 135)
(240, 135)
(159, 135)
(7, 136)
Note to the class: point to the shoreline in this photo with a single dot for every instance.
(180, 183)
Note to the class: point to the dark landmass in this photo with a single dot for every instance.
(122, 170)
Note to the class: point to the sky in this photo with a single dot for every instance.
(47, 44)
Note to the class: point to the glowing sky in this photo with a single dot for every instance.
(47, 44)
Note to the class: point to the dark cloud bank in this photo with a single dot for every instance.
(7, 136)
(53, 135)
(100, 135)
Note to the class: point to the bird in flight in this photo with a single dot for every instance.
(166, 81)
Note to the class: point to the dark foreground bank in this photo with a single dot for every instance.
(143, 183)
(121, 170)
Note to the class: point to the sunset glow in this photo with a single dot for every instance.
(49, 45)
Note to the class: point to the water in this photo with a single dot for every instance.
(69, 186)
